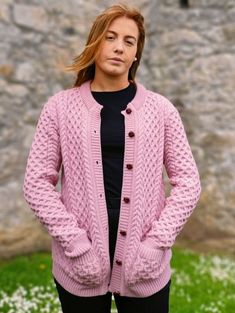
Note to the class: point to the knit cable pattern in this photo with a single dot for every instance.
(41, 177)
(85, 269)
(163, 218)
(76, 218)
(183, 177)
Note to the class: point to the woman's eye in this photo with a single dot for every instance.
(130, 43)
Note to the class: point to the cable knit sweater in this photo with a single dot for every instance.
(67, 137)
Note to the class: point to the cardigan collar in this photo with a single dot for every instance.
(91, 103)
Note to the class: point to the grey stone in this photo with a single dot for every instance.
(5, 13)
(25, 72)
(30, 16)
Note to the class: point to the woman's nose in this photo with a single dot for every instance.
(119, 46)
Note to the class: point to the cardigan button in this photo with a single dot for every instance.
(129, 166)
(123, 232)
(128, 110)
(131, 134)
(119, 262)
(126, 199)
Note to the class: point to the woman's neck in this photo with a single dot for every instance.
(108, 86)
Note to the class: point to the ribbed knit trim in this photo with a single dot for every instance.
(150, 253)
(79, 246)
(149, 242)
(137, 101)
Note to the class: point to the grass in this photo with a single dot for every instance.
(200, 284)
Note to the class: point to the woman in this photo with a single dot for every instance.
(111, 225)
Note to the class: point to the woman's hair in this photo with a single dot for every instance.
(84, 63)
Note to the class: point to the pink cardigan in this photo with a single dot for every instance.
(68, 137)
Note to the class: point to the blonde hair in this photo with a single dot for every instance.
(84, 63)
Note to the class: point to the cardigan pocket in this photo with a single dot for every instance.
(85, 269)
(147, 264)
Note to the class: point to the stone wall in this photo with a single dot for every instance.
(188, 57)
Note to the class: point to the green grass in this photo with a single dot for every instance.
(200, 284)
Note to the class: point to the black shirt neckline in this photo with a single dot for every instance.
(114, 91)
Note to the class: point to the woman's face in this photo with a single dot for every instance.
(120, 41)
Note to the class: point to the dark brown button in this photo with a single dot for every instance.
(129, 166)
(131, 134)
(116, 293)
(128, 110)
(126, 199)
(119, 262)
(123, 232)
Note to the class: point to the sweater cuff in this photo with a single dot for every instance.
(78, 246)
(149, 242)
(149, 250)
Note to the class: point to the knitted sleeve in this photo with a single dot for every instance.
(41, 177)
(185, 181)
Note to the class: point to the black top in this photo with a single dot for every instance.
(113, 135)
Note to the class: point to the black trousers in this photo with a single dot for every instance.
(113, 205)
(156, 303)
